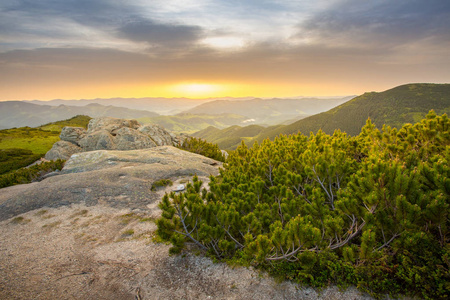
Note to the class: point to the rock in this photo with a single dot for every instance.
(62, 150)
(179, 188)
(113, 134)
(110, 124)
(72, 134)
(127, 139)
(160, 136)
(224, 153)
(97, 140)
(120, 179)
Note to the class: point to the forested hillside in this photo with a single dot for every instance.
(395, 107)
(229, 138)
(370, 210)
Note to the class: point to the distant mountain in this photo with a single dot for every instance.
(19, 113)
(163, 106)
(403, 104)
(229, 138)
(269, 111)
(189, 123)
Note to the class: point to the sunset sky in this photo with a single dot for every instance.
(73, 49)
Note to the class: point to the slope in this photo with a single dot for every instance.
(20, 147)
(190, 123)
(229, 138)
(19, 114)
(403, 104)
(269, 111)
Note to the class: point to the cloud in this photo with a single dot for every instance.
(168, 35)
(378, 23)
(353, 43)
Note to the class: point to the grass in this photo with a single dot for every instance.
(128, 232)
(48, 216)
(161, 183)
(148, 219)
(38, 144)
(20, 220)
(79, 213)
(127, 218)
(41, 212)
(22, 146)
(52, 225)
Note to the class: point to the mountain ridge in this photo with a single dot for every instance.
(394, 107)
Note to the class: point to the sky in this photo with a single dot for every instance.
(74, 49)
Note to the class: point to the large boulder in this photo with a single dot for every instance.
(98, 140)
(62, 150)
(110, 124)
(72, 134)
(107, 133)
(128, 139)
(160, 136)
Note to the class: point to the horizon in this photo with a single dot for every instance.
(225, 98)
(93, 49)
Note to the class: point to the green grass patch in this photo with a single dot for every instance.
(52, 225)
(127, 218)
(148, 219)
(20, 220)
(20, 147)
(161, 183)
(29, 174)
(79, 213)
(128, 232)
(41, 212)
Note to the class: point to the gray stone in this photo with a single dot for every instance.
(110, 124)
(160, 136)
(113, 134)
(121, 179)
(127, 139)
(179, 188)
(72, 134)
(62, 150)
(97, 140)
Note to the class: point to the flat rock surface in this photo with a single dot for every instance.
(88, 234)
(121, 179)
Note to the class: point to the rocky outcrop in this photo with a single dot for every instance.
(62, 150)
(121, 179)
(110, 134)
(72, 134)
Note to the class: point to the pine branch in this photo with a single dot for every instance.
(187, 233)
(350, 236)
(388, 242)
(229, 234)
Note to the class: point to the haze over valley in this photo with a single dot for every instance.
(180, 115)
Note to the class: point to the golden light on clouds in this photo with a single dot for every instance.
(203, 49)
(224, 42)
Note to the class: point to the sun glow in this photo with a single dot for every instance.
(197, 89)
